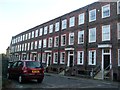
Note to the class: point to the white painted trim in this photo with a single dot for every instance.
(105, 46)
(68, 63)
(67, 49)
(47, 51)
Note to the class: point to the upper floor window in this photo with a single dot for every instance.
(118, 29)
(105, 32)
(23, 37)
(72, 22)
(29, 35)
(36, 33)
(71, 38)
(32, 45)
(50, 42)
(25, 46)
(56, 41)
(44, 43)
(41, 31)
(32, 34)
(35, 44)
(81, 37)
(55, 57)
(118, 7)
(106, 11)
(40, 44)
(45, 30)
(51, 28)
(62, 58)
(64, 24)
(81, 19)
(80, 57)
(92, 35)
(26, 36)
(57, 26)
(92, 15)
(28, 46)
(92, 57)
(63, 40)
(118, 57)
(22, 47)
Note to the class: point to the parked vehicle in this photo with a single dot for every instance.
(26, 70)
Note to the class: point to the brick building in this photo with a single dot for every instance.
(83, 42)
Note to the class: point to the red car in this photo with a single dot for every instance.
(26, 70)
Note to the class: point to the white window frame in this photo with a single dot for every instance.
(20, 48)
(45, 30)
(118, 7)
(36, 44)
(28, 46)
(43, 57)
(40, 44)
(41, 31)
(80, 58)
(103, 34)
(64, 24)
(55, 43)
(103, 7)
(62, 43)
(55, 61)
(118, 30)
(25, 47)
(91, 12)
(80, 34)
(90, 57)
(32, 45)
(118, 57)
(81, 18)
(72, 22)
(71, 42)
(91, 31)
(32, 34)
(57, 26)
(23, 37)
(26, 36)
(50, 42)
(29, 35)
(51, 28)
(36, 33)
(44, 43)
(62, 58)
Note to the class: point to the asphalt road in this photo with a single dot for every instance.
(57, 81)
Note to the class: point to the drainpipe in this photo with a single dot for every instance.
(86, 35)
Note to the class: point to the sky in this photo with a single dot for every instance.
(17, 16)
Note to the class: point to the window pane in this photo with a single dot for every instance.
(81, 19)
(106, 11)
(92, 15)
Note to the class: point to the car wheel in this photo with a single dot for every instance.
(39, 80)
(20, 79)
(8, 76)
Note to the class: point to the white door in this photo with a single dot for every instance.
(70, 59)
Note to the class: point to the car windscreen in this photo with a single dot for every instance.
(33, 64)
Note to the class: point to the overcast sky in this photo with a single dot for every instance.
(17, 16)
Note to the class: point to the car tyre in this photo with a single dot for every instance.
(20, 79)
(39, 80)
(8, 76)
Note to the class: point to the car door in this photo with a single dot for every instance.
(13, 69)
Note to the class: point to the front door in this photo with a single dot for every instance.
(106, 62)
(49, 59)
(70, 59)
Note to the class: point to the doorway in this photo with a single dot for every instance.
(70, 59)
(106, 62)
(49, 59)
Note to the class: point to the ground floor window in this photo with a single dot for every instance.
(55, 57)
(62, 57)
(92, 57)
(80, 57)
(118, 57)
(44, 58)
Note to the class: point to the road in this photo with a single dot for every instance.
(57, 81)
